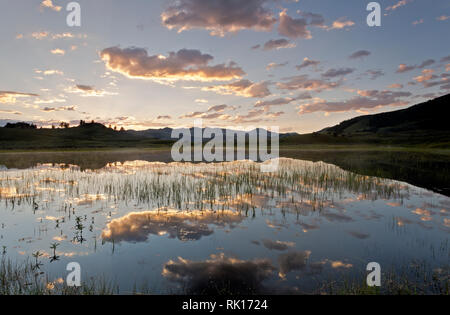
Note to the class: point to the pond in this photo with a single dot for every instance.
(144, 223)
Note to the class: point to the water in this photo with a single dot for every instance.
(220, 228)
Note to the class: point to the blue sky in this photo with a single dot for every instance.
(231, 63)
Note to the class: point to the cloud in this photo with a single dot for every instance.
(58, 51)
(49, 72)
(183, 225)
(186, 64)
(292, 261)
(417, 22)
(10, 97)
(341, 23)
(359, 54)
(220, 274)
(283, 100)
(218, 16)
(293, 28)
(426, 63)
(443, 18)
(307, 63)
(7, 111)
(399, 4)
(396, 86)
(213, 112)
(244, 88)
(404, 68)
(374, 74)
(358, 235)
(427, 75)
(303, 82)
(87, 91)
(313, 19)
(39, 35)
(446, 59)
(277, 245)
(58, 109)
(366, 99)
(274, 65)
(164, 117)
(332, 73)
(257, 115)
(49, 4)
(278, 44)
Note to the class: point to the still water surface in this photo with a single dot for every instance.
(176, 228)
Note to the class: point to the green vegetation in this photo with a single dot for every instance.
(86, 136)
(25, 279)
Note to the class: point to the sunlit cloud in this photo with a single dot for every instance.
(367, 99)
(427, 75)
(10, 97)
(58, 51)
(186, 64)
(341, 23)
(243, 88)
(274, 65)
(443, 18)
(39, 35)
(397, 5)
(49, 4)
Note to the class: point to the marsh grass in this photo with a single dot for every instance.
(412, 279)
(24, 279)
(186, 186)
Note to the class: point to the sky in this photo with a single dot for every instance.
(298, 65)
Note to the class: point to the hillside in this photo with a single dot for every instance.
(92, 135)
(422, 124)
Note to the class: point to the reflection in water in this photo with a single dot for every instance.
(277, 232)
(220, 275)
(292, 261)
(184, 225)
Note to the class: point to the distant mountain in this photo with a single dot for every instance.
(21, 135)
(425, 123)
(166, 133)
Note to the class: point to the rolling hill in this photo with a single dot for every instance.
(422, 124)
